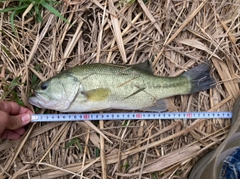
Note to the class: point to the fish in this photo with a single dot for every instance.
(97, 87)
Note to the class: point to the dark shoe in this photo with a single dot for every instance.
(223, 162)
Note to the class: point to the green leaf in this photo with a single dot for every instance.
(23, 7)
(97, 152)
(74, 141)
(38, 14)
(6, 51)
(79, 146)
(69, 144)
(36, 10)
(35, 80)
(15, 82)
(125, 123)
(126, 166)
(8, 88)
(17, 99)
(36, 109)
(12, 22)
(54, 11)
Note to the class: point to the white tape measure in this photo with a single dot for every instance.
(128, 116)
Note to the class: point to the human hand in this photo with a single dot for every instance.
(12, 119)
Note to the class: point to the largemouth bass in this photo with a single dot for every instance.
(94, 87)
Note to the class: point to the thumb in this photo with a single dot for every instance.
(16, 122)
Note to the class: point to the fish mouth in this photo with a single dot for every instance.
(34, 101)
(38, 100)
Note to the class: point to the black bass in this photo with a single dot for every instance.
(94, 87)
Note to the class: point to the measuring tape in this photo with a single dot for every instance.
(128, 116)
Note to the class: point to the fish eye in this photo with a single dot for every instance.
(44, 86)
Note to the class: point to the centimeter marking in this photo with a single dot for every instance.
(128, 116)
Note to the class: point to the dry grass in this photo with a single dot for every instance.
(174, 35)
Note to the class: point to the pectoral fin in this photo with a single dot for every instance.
(98, 94)
(161, 105)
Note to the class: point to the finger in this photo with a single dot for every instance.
(24, 110)
(13, 122)
(9, 107)
(13, 108)
(9, 134)
(20, 131)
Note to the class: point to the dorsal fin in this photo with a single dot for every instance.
(146, 66)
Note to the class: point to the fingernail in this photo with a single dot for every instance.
(26, 118)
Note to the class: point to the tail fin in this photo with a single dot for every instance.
(200, 78)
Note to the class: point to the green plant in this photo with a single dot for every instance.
(97, 150)
(10, 90)
(19, 7)
(126, 165)
(75, 141)
(155, 175)
(35, 80)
